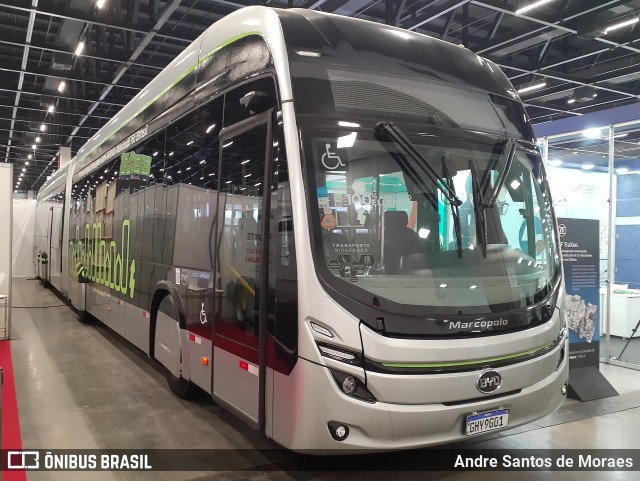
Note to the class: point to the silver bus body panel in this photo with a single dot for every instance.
(199, 373)
(458, 386)
(262, 21)
(166, 344)
(386, 426)
(394, 350)
(236, 387)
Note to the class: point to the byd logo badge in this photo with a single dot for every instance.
(489, 381)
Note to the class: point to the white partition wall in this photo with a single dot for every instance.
(6, 213)
(24, 216)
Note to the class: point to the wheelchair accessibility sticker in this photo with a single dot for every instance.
(330, 159)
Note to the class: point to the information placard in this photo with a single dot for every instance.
(579, 239)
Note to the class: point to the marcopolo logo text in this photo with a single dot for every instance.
(487, 324)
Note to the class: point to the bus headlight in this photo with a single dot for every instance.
(352, 386)
(340, 354)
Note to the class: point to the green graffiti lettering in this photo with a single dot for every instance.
(112, 271)
(132, 280)
(107, 264)
(126, 226)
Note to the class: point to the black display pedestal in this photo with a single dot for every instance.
(588, 383)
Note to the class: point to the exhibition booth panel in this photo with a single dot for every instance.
(594, 175)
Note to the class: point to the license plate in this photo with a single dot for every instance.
(478, 423)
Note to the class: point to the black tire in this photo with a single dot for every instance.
(179, 386)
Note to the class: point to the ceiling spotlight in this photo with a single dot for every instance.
(616, 26)
(571, 101)
(100, 3)
(532, 87)
(531, 6)
(61, 86)
(79, 49)
(29, 156)
(43, 128)
(26, 163)
(592, 133)
(51, 109)
(34, 146)
(38, 139)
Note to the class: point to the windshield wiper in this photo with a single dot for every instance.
(447, 189)
(478, 208)
(511, 150)
(455, 208)
(394, 132)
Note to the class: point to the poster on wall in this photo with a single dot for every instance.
(579, 243)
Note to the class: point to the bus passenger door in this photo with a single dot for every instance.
(241, 271)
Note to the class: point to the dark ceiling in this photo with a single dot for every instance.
(127, 42)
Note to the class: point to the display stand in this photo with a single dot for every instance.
(633, 333)
(6, 219)
(588, 383)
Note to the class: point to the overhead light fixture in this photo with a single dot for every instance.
(308, 53)
(592, 133)
(342, 123)
(43, 128)
(587, 166)
(531, 6)
(29, 156)
(616, 26)
(571, 101)
(38, 139)
(26, 163)
(51, 109)
(100, 3)
(79, 49)
(190, 142)
(34, 146)
(61, 86)
(532, 87)
(210, 128)
(347, 141)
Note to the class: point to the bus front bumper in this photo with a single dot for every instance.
(385, 426)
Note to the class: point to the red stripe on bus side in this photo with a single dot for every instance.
(11, 438)
(243, 352)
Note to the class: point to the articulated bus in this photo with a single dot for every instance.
(340, 230)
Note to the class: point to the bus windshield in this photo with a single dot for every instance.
(388, 229)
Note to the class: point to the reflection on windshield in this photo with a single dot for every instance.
(390, 232)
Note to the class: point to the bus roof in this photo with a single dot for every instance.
(288, 31)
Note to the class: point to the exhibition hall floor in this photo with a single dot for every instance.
(82, 386)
